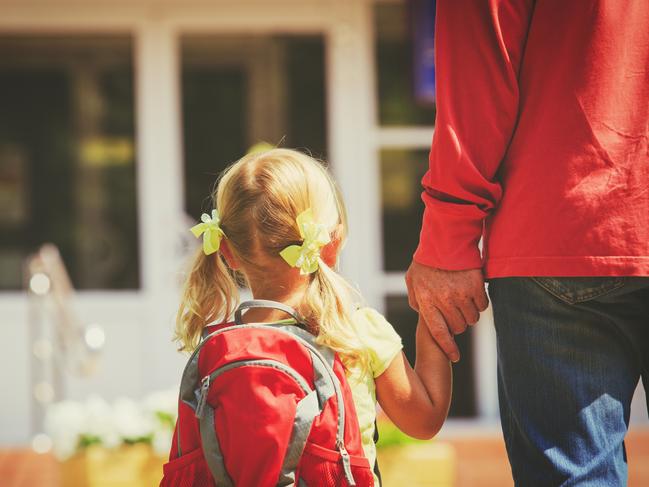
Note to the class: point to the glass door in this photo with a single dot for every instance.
(240, 91)
(67, 157)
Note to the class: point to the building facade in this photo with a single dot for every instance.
(117, 115)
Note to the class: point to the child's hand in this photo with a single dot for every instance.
(448, 300)
(417, 401)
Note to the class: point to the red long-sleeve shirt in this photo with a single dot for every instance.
(541, 140)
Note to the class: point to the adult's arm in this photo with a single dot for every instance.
(479, 46)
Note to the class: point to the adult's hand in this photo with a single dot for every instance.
(449, 301)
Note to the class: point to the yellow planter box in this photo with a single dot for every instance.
(419, 465)
(127, 466)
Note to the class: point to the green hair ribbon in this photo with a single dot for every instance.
(210, 229)
(314, 237)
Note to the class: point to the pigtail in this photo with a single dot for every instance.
(328, 306)
(209, 293)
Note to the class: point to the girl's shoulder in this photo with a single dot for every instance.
(365, 317)
(381, 340)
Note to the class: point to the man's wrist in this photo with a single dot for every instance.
(428, 258)
(449, 237)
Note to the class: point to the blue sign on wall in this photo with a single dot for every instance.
(422, 21)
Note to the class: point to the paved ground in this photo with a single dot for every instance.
(481, 463)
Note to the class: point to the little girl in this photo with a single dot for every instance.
(278, 226)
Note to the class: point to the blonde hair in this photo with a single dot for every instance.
(258, 199)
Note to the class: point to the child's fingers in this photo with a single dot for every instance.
(439, 330)
(452, 317)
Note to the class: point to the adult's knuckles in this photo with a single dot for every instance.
(444, 295)
(482, 303)
(438, 332)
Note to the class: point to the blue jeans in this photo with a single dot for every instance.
(570, 354)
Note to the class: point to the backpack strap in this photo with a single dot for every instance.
(305, 335)
(376, 469)
(306, 412)
(211, 444)
(264, 303)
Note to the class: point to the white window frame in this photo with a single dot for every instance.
(418, 137)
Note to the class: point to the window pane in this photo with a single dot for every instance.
(397, 104)
(67, 157)
(404, 320)
(401, 173)
(240, 91)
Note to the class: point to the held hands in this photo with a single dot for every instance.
(448, 301)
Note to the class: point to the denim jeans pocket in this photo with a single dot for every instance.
(573, 290)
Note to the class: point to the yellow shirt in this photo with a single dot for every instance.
(383, 344)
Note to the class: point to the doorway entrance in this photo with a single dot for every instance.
(241, 91)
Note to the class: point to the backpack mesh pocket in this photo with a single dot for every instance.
(321, 466)
(188, 470)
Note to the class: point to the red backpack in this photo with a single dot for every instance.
(264, 405)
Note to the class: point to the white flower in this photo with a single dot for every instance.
(67, 423)
(165, 402)
(130, 421)
(99, 422)
(64, 423)
(162, 406)
(161, 442)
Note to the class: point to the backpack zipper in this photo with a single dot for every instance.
(202, 398)
(340, 433)
(274, 364)
(347, 464)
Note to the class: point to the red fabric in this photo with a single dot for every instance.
(254, 412)
(320, 466)
(187, 471)
(254, 424)
(243, 344)
(542, 139)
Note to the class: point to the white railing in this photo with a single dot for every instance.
(60, 342)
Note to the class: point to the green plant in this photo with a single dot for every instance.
(390, 435)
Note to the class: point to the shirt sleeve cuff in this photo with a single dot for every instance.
(449, 236)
